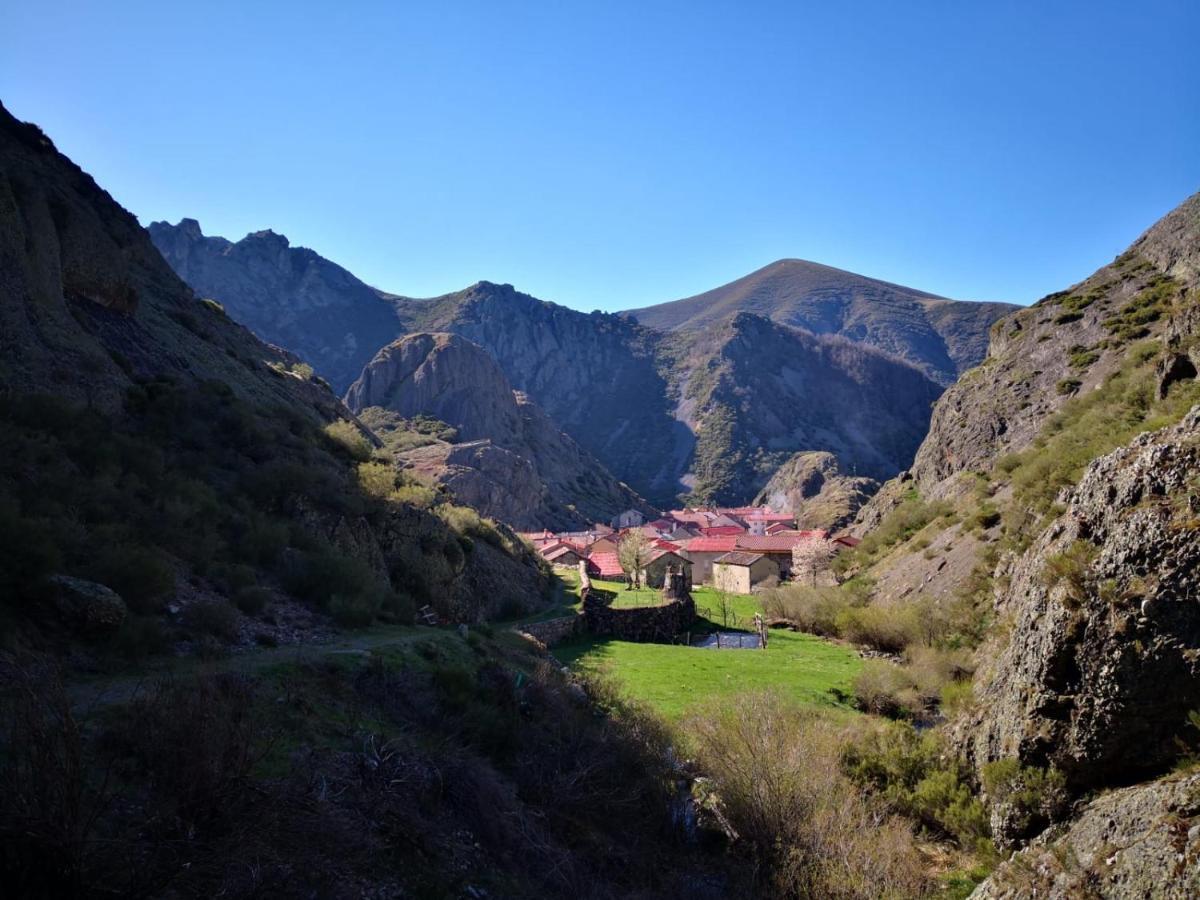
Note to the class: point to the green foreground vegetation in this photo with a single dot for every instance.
(674, 680)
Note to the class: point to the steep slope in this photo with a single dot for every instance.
(756, 392)
(288, 296)
(1057, 497)
(152, 444)
(812, 487)
(598, 376)
(508, 459)
(1065, 346)
(942, 337)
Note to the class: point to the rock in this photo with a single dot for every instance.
(1081, 683)
(88, 607)
(1141, 841)
(811, 486)
(507, 459)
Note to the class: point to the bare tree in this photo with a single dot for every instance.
(633, 553)
(811, 557)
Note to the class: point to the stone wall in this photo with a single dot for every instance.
(659, 623)
(553, 631)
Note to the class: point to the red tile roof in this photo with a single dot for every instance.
(722, 530)
(713, 544)
(607, 565)
(776, 543)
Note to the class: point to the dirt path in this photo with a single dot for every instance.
(97, 693)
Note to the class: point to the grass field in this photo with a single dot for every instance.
(673, 678)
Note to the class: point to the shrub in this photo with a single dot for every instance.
(341, 585)
(886, 627)
(1071, 568)
(1030, 796)
(417, 495)
(915, 777)
(140, 637)
(886, 689)
(810, 830)
(346, 436)
(813, 609)
(377, 479)
(140, 574)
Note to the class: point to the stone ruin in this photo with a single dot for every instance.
(659, 624)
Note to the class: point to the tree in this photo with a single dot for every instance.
(633, 553)
(811, 557)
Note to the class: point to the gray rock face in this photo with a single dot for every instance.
(88, 607)
(1103, 663)
(288, 296)
(1141, 841)
(513, 463)
(811, 486)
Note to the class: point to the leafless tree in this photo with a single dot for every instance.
(811, 558)
(633, 553)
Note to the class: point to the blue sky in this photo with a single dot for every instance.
(612, 154)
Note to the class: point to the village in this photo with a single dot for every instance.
(733, 549)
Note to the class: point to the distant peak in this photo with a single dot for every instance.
(268, 236)
(191, 228)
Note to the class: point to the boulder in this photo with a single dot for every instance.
(88, 607)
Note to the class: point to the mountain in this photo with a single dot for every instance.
(755, 392)
(288, 296)
(657, 407)
(155, 447)
(506, 459)
(942, 337)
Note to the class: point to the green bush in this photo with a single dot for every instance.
(140, 637)
(143, 578)
(917, 778)
(346, 436)
(889, 628)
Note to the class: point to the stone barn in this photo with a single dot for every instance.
(655, 573)
(739, 571)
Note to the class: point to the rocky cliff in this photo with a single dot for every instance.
(508, 459)
(942, 337)
(756, 392)
(288, 296)
(812, 487)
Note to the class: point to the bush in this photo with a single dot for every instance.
(346, 436)
(140, 637)
(886, 689)
(1030, 796)
(889, 628)
(913, 774)
(143, 578)
(813, 834)
(341, 585)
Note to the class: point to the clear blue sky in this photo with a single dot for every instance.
(616, 154)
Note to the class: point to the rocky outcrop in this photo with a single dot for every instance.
(1065, 345)
(1103, 663)
(812, 487)
(289, 296)
(942, 337)
(508, 460)
(1141, 841)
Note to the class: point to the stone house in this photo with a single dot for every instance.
(739, 571)
(630, 518)
(654, 575)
